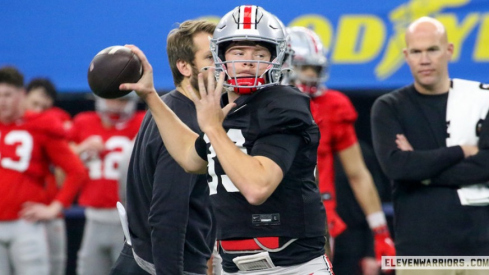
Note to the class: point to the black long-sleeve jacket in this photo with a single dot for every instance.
(169, 211)
(429, 219)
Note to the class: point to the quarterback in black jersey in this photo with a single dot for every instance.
(258, 149)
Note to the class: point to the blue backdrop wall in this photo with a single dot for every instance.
(58, 38)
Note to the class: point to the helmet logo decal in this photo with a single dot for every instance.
(248, 18)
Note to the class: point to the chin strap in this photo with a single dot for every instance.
(253, 82)
(308, 89)
(114, 117)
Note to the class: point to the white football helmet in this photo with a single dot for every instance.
(117, 111)
(249, 23)
(287, 66)
(308, 51)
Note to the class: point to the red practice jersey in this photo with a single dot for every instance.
(335, 116)
(28, 147)
(62, 115)
(51, 184)
(101, 191)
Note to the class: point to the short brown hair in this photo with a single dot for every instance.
(11, 75)
(44, 83)
(180, 45)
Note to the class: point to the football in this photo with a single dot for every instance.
(110, 68)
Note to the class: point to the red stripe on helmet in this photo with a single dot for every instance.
(314, 42)
(247, 17)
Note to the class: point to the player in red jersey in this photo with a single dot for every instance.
(335, 116)
(102, 137)
(41, 94)
(29, 143)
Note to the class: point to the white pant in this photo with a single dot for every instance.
(216, 261)
(317, 266)
(58, 254)
(101, 246)
(23, 248)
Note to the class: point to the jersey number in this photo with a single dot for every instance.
(237, 137)
(108, 168)
(23, 150)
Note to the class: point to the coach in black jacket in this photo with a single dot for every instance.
(409, 130)
(172, 228)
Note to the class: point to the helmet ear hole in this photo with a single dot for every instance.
(276, 74)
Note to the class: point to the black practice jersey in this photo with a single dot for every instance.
(274, 122)
(169, 211)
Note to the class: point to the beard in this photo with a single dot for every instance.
(194, 80)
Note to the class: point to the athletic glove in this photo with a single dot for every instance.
(383, 244)
(336, 225)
